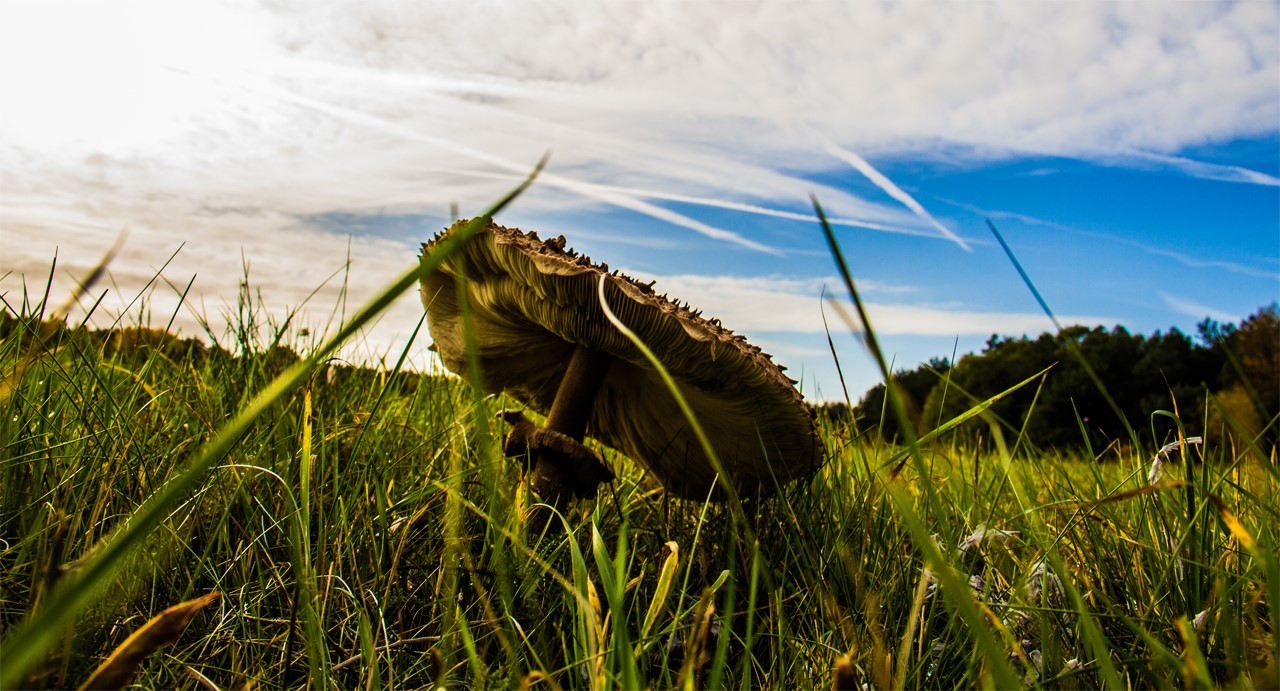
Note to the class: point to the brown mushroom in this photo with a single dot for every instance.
(542, 337)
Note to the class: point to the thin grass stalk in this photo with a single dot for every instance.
(490, 460)
(748, 639)
(368, 651)
(1070, 344)
(714, 677)
(454, 623)
(382, 393)
(304, 576)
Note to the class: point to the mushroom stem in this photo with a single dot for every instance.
(577, 393)
(557, 478)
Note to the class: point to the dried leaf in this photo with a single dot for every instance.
(119, 668)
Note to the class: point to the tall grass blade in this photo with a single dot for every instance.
(613, 577)
(956, 590)
(37, 347)
(722, 477)
(1071, 345)
(33, 638)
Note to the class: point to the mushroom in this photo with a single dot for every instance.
(542, 337)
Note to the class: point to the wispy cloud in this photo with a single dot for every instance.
(1179, 257)
(773, 213)
(1204, 263)
(1204, 169)
(1196, 310)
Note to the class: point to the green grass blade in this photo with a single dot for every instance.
(960, 419)
(722, 477)
(613, 579)
(953, 585)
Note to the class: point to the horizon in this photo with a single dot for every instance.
(1129, 154)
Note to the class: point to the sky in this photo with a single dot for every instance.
(1128, 152)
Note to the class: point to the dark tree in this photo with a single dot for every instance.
(1142, 375)
(873, 412)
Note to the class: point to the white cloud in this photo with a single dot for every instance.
(769, 304)
(393, 103)
(1051, 76)
(1208, 171)
(342, 105)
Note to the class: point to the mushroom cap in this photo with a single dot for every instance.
(531, 302)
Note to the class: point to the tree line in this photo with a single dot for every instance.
(1224, 382)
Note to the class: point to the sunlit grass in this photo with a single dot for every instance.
(365, 533)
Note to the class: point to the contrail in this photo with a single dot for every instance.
(1184, 259)
(884, 183)
(610, 197)
(763, 210)
(641, 193)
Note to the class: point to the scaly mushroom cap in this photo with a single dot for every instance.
(531, 302)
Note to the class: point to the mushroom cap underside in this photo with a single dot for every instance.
(531, 303)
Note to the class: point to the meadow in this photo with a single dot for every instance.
(364, 530)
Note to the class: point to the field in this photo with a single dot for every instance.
(364, 530)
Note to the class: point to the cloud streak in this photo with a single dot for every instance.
(880, 180)
(1206, 170)
(1179, 257)
(1196, 310)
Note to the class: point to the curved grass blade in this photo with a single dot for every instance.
(721, 476)
(960, 419)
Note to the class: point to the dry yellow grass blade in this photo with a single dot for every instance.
(665, 578)
(535, 677)
(1127, 494)
(843, 675)
(118, 669)
(1233, 524)
(9, 382)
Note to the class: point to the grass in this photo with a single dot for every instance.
(364, 531)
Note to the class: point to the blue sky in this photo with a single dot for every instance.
(1129, 153)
